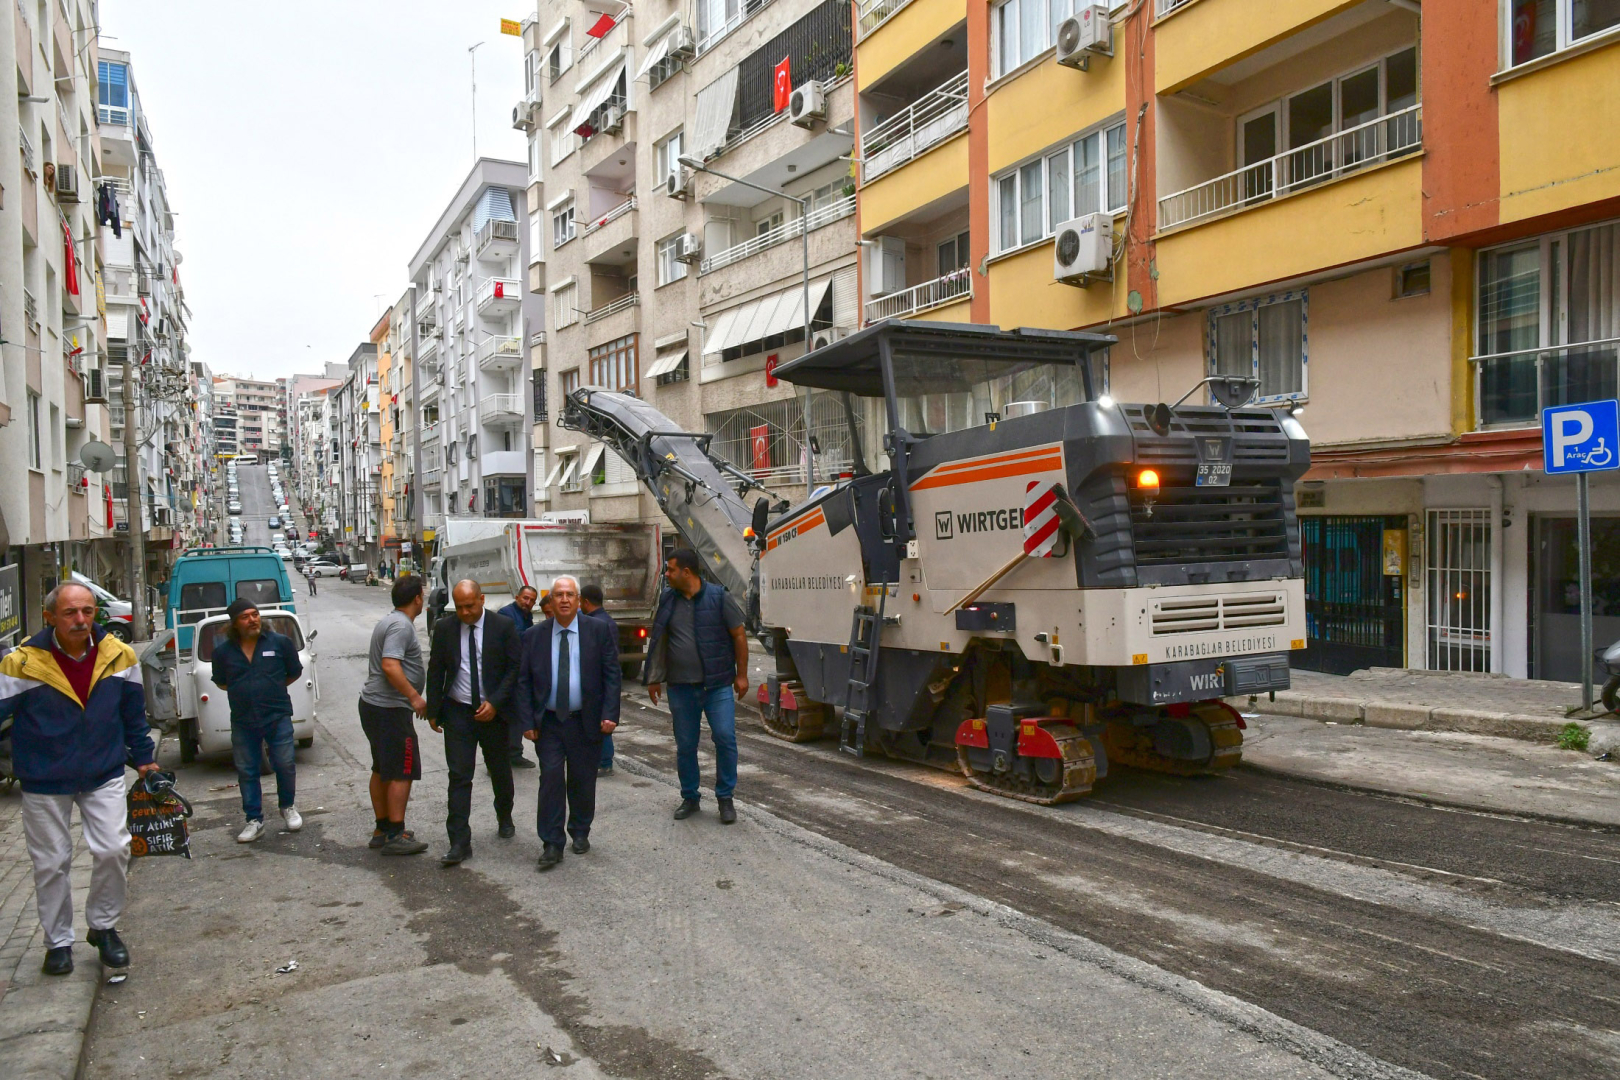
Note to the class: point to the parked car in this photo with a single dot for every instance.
(235, 507)
(323, 568)
(115, 614)
(275, 521)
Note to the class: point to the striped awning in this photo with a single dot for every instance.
(763, 318)
(667, 364)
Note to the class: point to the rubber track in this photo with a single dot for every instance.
(1133, 746)
(808, 720)
(1079, 772)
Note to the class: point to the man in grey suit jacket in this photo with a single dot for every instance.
(567, 699)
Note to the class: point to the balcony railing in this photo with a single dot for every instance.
(1511, 388)
(612, 215)
(505, 291)
(27, 151)
(424, 308)
(931, 119)
(1293, 170)
(613, 307)
(500, 408)
(837, 209)
(930, 294)
(500, 352)
(1161, 8)
(874, 13)
(116, 115)
(497, 232)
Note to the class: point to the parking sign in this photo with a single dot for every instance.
(1580, 438)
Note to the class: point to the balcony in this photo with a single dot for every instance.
(874, 13)
(1292, 171)
(501, 410)
(610, 239)
(836, 210)
(498, 295)
(424, 310)
(1511, 388)
(496, 240)
(613, 307)
(428, 391)
(1161, 8)
(500, 353)
(930, 120)
(957, 285)
(432, 465)
(504, 463)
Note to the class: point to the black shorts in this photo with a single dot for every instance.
(395, 753)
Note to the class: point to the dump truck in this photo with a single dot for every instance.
(1012, 575)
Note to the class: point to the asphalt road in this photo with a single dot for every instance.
(257, 504)
(866, 918)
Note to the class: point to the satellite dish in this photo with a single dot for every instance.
(97, 456)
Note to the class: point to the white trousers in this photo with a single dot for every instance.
(48, 828)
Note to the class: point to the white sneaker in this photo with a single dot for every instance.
(293, 818)
(250, 832)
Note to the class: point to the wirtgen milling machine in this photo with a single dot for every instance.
(1039, 583)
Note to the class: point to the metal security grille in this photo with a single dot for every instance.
(1459, 600)
(766, 440)
(815, 46)
(1353, 610)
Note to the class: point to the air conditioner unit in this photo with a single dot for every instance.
(521, 119)
(808, 105)
(162, 515)
(613, 120)
(67, 183)
(95, 387)
(678, 184)
(1083, 250)
(1088, 31)
(682, 43)
(822, 338)
(689, 248)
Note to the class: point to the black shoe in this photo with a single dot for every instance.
(581, 845)
(58, 961)
(379, 838)
(113, 952)
(521, 762)
(728, 813)
(403, 844)
(456, 854)
(507, 830)
(550, 855)
(687, 808)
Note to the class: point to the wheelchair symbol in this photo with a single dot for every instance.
(1598, 456)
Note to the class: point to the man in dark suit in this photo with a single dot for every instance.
(472, 674)
(568, 698)
(591, 599)
(521, 612)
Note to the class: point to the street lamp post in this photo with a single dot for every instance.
(804, 238)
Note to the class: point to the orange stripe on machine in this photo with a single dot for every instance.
(797, 528)
(1046, 459)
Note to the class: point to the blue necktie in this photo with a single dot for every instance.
(564, 682)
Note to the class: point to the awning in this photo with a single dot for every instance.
(659, 50)
(667, 364)
(765, 317)
(715, 104)
(600, 90)
(592, 456)
(563, 459)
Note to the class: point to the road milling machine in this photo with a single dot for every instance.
(1008, 573)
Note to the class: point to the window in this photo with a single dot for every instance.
(562, 224)
(504, 497)
(536, 231)
(1263, 339)
(767, 223)
(669, 267)
(1549, 318)
(34, 461)
(667, 156)
(1537, 28)
(1021, 30)
(535, 143)
(1085, 177)
(569, 381)
(562, 306)
(953, 254)
(112, 94)
(1412, 280)
(560, 57)
(718, 17)
(614, 365)
(563, 139)
(531, 75)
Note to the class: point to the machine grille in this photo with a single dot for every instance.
(1188, 524)
(1196, 614)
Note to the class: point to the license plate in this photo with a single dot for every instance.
(1215, 474)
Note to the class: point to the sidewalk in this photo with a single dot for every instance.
(1468, 702)
(43, 1020)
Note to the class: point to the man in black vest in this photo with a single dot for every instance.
(472, 673)
(698, 646)
(568, 698)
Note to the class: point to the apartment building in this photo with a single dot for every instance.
(303, 401)
(1411, 248)
(401, 529)
(470, 364)
(688, 285)
(261, 414)
(355, 422)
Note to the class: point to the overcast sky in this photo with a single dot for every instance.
(308, 148)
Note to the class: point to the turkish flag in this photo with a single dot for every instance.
(601, 27)
(70, 260)
(770, 370)
(761, 438)
(782, 86)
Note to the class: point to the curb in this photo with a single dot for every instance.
(44, 1019)
(1408, 717)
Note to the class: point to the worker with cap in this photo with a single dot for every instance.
(254, 665)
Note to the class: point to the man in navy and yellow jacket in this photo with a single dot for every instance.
(78, 713)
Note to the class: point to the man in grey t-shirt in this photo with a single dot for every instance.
(390, 701)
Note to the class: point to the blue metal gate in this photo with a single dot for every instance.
(1354, 611)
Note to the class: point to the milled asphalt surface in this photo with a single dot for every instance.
(867, 918)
